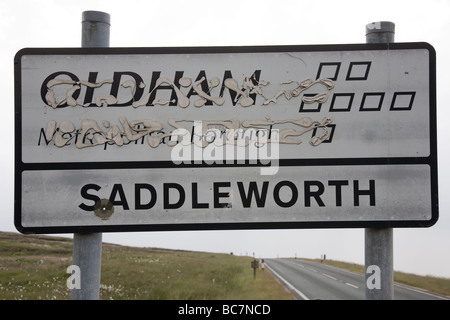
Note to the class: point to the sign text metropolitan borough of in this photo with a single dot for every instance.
(125, 139)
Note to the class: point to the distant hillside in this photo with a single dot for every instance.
(34, 267)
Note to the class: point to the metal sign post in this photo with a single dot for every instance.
(379, 265)
(87, 247)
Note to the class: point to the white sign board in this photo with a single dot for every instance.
(117, 139)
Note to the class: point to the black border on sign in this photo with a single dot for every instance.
(20, 167)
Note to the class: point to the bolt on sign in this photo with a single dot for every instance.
(129, 139)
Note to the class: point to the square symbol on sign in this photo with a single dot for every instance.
(331, 128)
(358, 70)
(372, 101)
(309, 107)
(402, 100)
(328, 70)
(341, 102)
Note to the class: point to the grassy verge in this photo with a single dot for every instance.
(34, 267)
(430, 283)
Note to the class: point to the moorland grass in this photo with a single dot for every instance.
(34, 267)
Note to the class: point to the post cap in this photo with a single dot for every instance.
(380, 27)
(96, 16)
(380, 32)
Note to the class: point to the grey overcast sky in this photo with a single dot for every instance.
(136, 23)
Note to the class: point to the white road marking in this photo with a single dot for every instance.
(352, 285)
(301, 294)
(328, 276)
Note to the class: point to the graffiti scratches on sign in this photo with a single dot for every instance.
(231, 132)
(244, 94)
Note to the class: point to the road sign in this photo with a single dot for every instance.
(127, 139)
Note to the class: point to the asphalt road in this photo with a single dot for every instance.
(309, 281)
